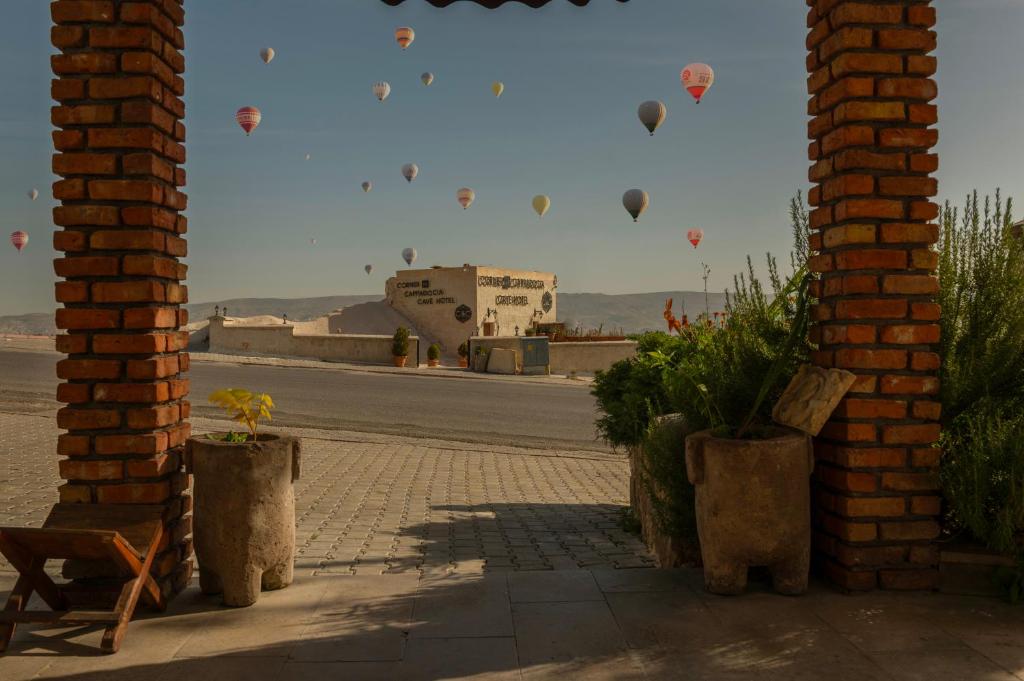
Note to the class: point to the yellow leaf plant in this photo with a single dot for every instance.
(245, 407)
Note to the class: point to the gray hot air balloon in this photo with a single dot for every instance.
(367, 186)
(369, 269)
(410, 171)
(652, 114)
(635, 201)
(427, 78)
(409, 255)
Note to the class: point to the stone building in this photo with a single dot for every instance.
(450, 304)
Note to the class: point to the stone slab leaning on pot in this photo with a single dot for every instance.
(244, 504)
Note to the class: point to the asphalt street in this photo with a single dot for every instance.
(485, 411)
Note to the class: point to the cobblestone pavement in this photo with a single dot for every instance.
(369, 504)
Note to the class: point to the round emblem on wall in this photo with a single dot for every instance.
(463, 313)
(547, 301)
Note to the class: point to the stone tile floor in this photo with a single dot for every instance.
(437, 560)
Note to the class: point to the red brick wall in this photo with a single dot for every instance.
(871, 129)
(119, 142)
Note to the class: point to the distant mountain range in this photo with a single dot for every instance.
(630, 312)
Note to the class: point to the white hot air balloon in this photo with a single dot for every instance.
(381, 90)
(312, 242)
(427, 78)
(33, 194)
(697, 79)
(367, 186)
(409, 256)
(369, 269)
(309, 156)
(466, 196)
(267, 54)
(541, 204)
(635, 201)
(410, 171)
(652, 114)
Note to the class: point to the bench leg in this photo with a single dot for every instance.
(16, 602)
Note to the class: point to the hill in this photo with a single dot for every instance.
(631, 312)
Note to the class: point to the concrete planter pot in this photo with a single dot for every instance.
(753, 503)
(244, 514)
(399, 361)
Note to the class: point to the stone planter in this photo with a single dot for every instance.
(480, 362)
(244, 514)
(753, 505)
(399, 361)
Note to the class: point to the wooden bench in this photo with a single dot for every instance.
(127, 535)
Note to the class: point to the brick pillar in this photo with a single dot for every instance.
(877, 476)
(118, 145)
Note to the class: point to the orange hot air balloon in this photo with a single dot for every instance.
(694, 236)
(248, 118)
(19, 239)
(404, 35)
(697, 79)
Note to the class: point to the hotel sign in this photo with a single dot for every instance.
(508, 282)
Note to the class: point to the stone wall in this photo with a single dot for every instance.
(877, 499)
(119, 143)
(589, 357)
(281, 340)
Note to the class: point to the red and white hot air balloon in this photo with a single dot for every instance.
(694, 236)
(697, 79)
(19, 239)
(248, 117)
(466, 196)
(404, 35)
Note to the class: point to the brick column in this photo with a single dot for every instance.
(877, 477)
(118, 145)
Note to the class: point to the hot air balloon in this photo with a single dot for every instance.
(404, 35)
(312, 242)
(33, 194)
(541, 204)
(409, 255)
(694, 236)
(19, 239)
(427, 78)
(635, 201)
(267, 54)
(697, 79)
(466, 197)
(367, 186)
(497, 87)
(309, 156)
(248, 117)
(369, 269)
(410, 171)
(652, 114)
(381, 90)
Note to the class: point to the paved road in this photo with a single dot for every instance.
(493, 412)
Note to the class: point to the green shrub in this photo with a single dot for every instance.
(981, 274)
(464, 349)
(400, 342)
(662, 473)
(434, 351)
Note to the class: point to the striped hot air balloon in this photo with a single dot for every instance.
(466, 196)
(381, 90)
(248, 117)
(404, 35)
(19, 239)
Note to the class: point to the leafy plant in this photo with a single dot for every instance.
(464, 349)
(245, 407)
(662, 472)
(981, 275)
(400, 342)
(434, 352)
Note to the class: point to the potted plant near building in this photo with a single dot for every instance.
(244, 502)
(434, 355)
(464, 355)
(400, 346)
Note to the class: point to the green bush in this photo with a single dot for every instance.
(662, 472)
(434, 351)
(464, 349)
(400, 342)
(981, 274)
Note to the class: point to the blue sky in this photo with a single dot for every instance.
(566, 126)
